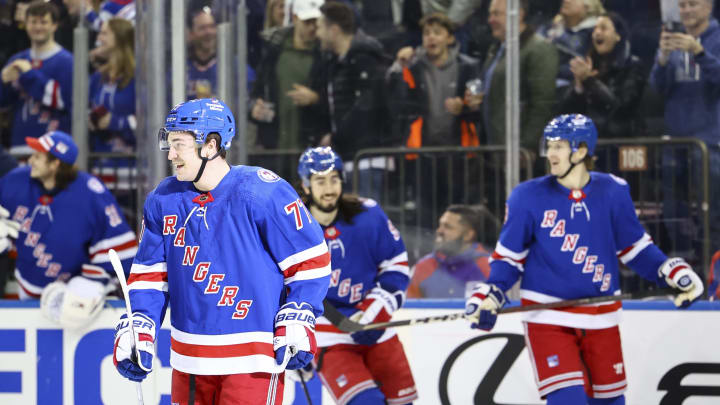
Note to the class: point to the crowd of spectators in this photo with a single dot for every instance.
(357, 74)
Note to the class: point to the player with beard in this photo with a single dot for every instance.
(458, 261)
(369, 277)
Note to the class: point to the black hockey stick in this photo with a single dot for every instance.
(346, 325)
(305, 388)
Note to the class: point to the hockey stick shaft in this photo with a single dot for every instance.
(117, 266)
(305, 388)
(346, 325)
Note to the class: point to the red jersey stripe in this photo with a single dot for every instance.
(316, 262)
(238, 350)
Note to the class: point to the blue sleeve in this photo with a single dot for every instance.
(635, 247)
(511, 250)
(709, 63)
(148, 282)
(390, 254)
(8, 94)
(295, 241)
(110, 231)
(659, 76)
(55, 93)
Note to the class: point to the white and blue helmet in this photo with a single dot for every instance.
(201, 117)
(574, 128)
(319, 160)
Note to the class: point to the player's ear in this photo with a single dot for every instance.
(580, 153)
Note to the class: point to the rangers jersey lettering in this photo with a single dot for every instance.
(64, 234)
(364, 253)
(566, 244)
(225, 261)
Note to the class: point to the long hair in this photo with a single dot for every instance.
(349, 205)
(121, 63)
(66, 173)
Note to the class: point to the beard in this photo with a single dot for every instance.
(449, 248)
(327, 208)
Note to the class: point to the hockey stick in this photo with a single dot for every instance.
(117, 266)
(346, 325)
(305, 388)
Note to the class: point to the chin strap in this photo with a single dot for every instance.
(202, 165)
(572, 166)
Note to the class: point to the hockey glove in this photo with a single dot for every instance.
(8, 229)
(678, 274)
(482, 306)
(378, 306)
(294, 335)
(75, 304)
(124, 356)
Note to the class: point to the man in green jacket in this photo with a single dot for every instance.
(538, 68)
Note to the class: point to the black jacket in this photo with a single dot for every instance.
(612, 98)
(314, 118)
(356, 97)
(410, 100)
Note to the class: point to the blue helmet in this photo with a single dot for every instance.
(201, 117)
(320, 160)
(574, 128)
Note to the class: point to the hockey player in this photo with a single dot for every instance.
(563, 235)
(368, 283)
(236, 255)
(37, 82)
(68, 221)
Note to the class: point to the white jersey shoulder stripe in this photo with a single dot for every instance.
(505, 252)
(108, 243)
(304, 255)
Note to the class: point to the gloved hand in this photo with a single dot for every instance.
(378, 306)
(482, 306)
(8, 229)
(295, 335)
(75, 304)
(678, 274)
(305, 373)
(124, 358)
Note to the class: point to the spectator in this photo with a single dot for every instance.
(274, 14)
(608, 83)
(458, 261)
(284, 99)
(429, 84)
(202, 62)
(687, 73)
(571, 32)
(538, 67)
(68, 220)
(355, 93)
(112, 89)
(37, 82)
(108, 9)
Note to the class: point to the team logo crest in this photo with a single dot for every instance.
(331, 233)
(95, 185)
(267, 176)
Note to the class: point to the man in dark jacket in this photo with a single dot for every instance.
(285, 98)
(432, 89)
(355, 92)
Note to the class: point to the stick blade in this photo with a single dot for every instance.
(339, 320)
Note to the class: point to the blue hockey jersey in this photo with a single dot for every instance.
(367, 252)
(225, 261)
(64, 234)
(41, 97)
(120, 103)
(566, 244)
(124, 9)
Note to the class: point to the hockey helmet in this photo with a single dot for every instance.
(574, 128)
(319, 160)
(200, 117)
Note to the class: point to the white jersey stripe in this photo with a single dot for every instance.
(108, 243)
(221, 340)
(306, 254)
(505, 252)
(149, 285)
(638, 247)
(137, 268)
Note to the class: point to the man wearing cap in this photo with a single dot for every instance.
(66, 220)
(286, 94)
